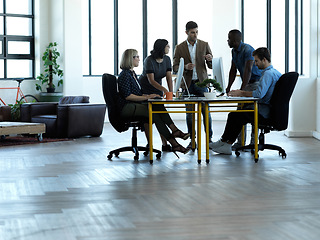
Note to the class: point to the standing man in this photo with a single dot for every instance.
(242, 60)
(197, 54)
(264, 91)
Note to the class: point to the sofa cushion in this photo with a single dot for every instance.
(5, 113)
(74, 99)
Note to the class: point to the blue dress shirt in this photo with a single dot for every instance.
(240, 56)
(267, 82)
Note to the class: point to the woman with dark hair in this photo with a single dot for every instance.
(133, 102)
(155, 67)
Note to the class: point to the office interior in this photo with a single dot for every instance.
(60, 21)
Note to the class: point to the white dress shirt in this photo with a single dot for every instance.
(192, 51)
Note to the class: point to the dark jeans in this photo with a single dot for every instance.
(235, 122)
(139, 111)
(194, 89)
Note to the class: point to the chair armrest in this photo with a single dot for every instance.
(75, 120)
(28, 110)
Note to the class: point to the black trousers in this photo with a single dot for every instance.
(235, 122)
(139, 111)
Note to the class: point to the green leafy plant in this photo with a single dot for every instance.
(51, 68)
(210, 83)
(15, 111)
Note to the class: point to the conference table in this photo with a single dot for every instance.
(227, 104)
(220, 104)
(179, 105)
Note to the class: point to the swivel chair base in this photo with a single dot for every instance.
(134, 148)
(262, 146)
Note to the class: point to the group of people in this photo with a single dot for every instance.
(257, 74)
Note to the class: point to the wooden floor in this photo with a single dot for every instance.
(69, 190)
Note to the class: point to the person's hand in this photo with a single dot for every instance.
(189, 66)
(235, 93)
(153, 95)
(208, 57)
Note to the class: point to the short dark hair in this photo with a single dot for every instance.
(158, 48)
(236, 34)
(262, 53)
(191, 25)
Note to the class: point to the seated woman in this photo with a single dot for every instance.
(155, 68)
(134, 106)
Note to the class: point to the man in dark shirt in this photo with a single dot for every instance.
(242, 60)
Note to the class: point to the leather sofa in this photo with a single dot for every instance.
(71, 117)
(5, 113)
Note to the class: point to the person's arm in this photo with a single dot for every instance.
(153, 82)
(240, 93)
(208, 57)
(136, 98)
(169, 81)
(232, 76)
(247, 74)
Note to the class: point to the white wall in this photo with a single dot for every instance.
(316, 133)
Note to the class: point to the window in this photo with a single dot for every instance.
(187, 10)
(16, 39)
(285, 38)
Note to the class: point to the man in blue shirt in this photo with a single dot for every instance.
(264, 91)
(242, 60)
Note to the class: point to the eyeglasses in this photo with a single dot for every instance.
(136, 56)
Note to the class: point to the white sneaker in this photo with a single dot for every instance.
(216, 144)
(225, 148)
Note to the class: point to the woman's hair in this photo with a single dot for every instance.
(127, 58)
(158, 48)
(262, 53)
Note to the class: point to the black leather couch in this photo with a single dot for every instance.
(71, 117)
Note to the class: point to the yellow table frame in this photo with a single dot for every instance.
(218, 102)
(194, 103)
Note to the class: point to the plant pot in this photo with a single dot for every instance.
(50, 90)
(210, 95)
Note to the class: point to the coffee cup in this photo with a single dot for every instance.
(169, 95)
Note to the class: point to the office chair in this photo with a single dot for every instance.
(279, 113)
(111, 96)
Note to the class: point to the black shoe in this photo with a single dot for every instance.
(166, 148)
(179, 148)
(179, 134)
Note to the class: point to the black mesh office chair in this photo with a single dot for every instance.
(111, 96)
(279, 114)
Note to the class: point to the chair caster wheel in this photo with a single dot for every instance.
(136, 158)
(237, 153)
(109, 156)
(145, 153)
(283, 155)
(116, 154)
(158, 156)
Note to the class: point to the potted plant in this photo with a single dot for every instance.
(212, 84)
(51, 69)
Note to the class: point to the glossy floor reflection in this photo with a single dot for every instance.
(69, 190)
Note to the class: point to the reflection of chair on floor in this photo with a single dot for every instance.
(279, 113)
(111, 96)
(72, 117)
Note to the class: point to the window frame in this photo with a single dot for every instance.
(5, 39)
